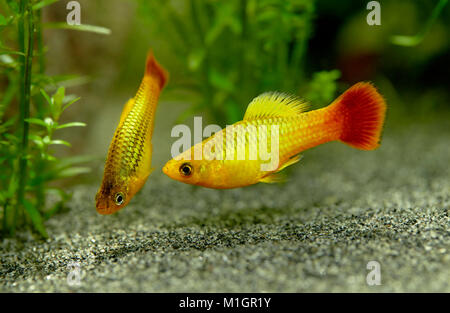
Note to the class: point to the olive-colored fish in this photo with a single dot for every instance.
(128, 163)
(355, 118)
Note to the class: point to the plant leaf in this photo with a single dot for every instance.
(43, 3)
(14, 6)
(46, 96)
(58, 99)
(35, 217)
(69, 161)
(60, 142)
(410, 41)
(195, 59)
(3, 20)
(72, 124)
(73, 171)
(70, 103)
(220, 81)
(83, 27)
(36, 121)
(11, 52)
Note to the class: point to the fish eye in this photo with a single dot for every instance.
(186, 169)
(119, 198)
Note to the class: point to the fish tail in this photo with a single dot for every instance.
(155, 70)
(363, 110)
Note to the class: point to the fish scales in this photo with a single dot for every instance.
(355, 118)
(128, 163)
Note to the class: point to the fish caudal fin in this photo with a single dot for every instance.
(363, 110)
(155, 70)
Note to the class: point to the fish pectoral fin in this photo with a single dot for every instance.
(274, 104)
(291, 161)
(274, 178)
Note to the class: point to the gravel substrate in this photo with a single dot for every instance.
(340, 209)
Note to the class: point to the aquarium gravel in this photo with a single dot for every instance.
(339, 210)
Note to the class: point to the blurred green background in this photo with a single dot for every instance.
(220, 54)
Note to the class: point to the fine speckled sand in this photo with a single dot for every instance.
(341, 209)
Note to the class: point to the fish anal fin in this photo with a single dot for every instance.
(291, 161)
(274, 178)
(277, 177)
(274, 104)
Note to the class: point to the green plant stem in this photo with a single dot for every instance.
(178, 27)
(205, 68)
(40, 191)
(41, 58)
(410, 41)
(39, 168)
(26, 68)
(243, 46)
(5, 218)
(12, 218)
(196, 21)
(40, 42)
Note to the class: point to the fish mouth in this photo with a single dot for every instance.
(166, 170)
(102, 209)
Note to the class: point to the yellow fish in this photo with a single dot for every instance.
(128, 163)
(355, 118)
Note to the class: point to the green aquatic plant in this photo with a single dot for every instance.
(29, 120)
(234, 50)
(410, 41)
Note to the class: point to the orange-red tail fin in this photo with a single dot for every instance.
(363, 110)
(154, 69)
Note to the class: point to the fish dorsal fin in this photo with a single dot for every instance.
(274, 104)
(126, 109)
